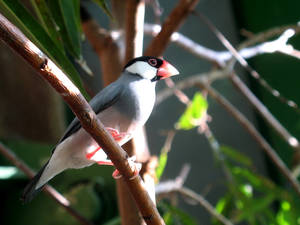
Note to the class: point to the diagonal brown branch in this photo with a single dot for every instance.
(89, 121)
(7, 153)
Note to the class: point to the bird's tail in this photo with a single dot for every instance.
(30, 190)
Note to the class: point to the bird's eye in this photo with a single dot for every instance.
(152, 62)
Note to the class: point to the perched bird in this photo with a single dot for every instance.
(122, 107)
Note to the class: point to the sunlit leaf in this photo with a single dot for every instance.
(7, 172)
(102, 4)
(34, 31)
(236, 156)
(193, 114)
(287, 214)
(162, 162)
(247, 190)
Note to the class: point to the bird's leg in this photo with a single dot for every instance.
(100, 157)
(136, 167)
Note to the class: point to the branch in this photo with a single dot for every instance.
(135, 13)
(171, 24)
(176, 185)
(89, 121)
(134, 26)
(61, 200)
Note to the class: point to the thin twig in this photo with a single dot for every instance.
(12, 36)
(265, 113)
(190, 81)
(176, 185)
(254, 133)
(221, 57)
(281, 41)
(60, 199)
(202, 201)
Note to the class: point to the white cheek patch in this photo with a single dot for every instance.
(143, 69)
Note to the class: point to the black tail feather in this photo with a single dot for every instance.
(29, 191)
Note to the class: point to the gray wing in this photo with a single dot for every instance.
(104, 99)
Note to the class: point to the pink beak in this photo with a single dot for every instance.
(166, 70)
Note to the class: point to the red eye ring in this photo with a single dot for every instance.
(152, 62)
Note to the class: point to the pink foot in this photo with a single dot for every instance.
(136, 167)
(117, 136)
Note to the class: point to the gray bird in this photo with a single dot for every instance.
(122, 107)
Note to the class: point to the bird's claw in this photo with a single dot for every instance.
(136, 167)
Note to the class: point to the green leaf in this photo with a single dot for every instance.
(287, 214)
(193, 114)
(69, 12)
(102, 4)
(47, 21)
(35, 32)
(236, 156)
(162, 162)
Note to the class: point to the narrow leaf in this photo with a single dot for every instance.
(102, 4)
(162, 162)
(47, 21)
(236, 155)
(68, 11)
(193, 114)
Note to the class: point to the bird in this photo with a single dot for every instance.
(122, 107)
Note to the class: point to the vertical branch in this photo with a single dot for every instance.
(135, 13)
(134, 31)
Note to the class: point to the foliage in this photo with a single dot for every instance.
(193, 114)
(253, 198)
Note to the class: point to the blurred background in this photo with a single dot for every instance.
(33, 117)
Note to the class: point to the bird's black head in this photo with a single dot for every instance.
(151, 68)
